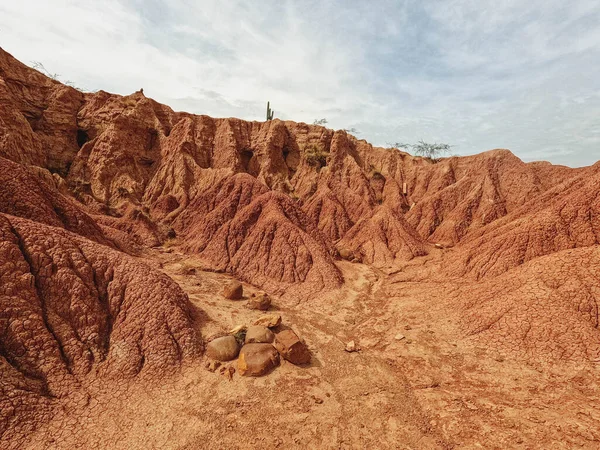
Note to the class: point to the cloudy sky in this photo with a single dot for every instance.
(478, 74)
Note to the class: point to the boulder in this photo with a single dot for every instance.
(257, 359)
(289, 345)
(269, 320)
(260, 302)
(223, 348)
(233, 291)
(259, 334)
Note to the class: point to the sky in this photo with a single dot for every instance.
(477, 74)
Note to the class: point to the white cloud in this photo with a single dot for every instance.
(479, 74)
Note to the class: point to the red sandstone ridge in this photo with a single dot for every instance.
(144, 168)
(566, 216)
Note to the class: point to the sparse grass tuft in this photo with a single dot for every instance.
(315, 155)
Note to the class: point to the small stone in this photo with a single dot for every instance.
(261, 302)
(257, 359)
(212, 365)
(230, 373)
(318, 400)
(399, 337)
(233, 291)
(346, 254)
(440, 246)
(223, 348)
(352, 347)
(289, 345)
(257, 334)
(269, 320)
(407, 327)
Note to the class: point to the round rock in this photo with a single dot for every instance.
(257, 334)
(223, 348)
(257, 359)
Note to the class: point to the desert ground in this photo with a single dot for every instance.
(447, 303)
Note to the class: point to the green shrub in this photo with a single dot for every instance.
(315, 155)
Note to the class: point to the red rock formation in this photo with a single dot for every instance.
(267, 202)
(382, 238)
(218, 205)
(264, 239)
(328, 214)
(25, 194)
(564, 217)
(38, 117)
(73, 311)
(459, 195)
(546, 310)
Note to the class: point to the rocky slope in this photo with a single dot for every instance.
(547, 309)
(74, 311)
(566, 216)
(132, 158)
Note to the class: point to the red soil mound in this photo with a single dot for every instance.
(328, 214)
(25, 194)
(72, 312)
(383, 237)
(546, 310)
(38, 117)
(212, 209)
(459, 195)
(564, 217)
(266, 240)
(137, 224)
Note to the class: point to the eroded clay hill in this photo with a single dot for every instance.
(140, 166)
(73, 312)
(261, 236)
(546, 310)
(566, 216)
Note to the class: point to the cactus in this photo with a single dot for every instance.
(270, 112)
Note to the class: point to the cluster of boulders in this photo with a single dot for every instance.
(258, 347)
